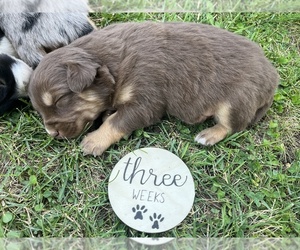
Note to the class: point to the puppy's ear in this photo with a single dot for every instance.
(80, 75)
(104, 76)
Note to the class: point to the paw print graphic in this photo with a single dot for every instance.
(139, 211)
(156, 219)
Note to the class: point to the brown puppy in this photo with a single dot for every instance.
(144, 70)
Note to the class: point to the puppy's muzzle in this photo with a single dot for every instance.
(53, 133)
(68, 130)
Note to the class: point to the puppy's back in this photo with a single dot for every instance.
(207, 68)
(191, 71)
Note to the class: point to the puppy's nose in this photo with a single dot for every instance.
(52, 133)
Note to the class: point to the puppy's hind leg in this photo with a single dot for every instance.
(261, 111)
(211, 136)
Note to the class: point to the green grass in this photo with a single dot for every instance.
(194, 5)
(246, 186)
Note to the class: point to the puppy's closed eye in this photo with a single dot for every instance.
(63, 101)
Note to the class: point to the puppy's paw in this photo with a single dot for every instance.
(91, 145)
(96, 142)
(206, 138)
(211, 136)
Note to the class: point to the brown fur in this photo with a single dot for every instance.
(144, 70)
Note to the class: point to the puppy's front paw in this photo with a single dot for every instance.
(97, 142)
(211, 136)
(91, 145)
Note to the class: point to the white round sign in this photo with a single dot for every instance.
(151, 190)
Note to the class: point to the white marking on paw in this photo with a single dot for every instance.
(201, 140)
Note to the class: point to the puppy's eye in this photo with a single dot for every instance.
(63, 101)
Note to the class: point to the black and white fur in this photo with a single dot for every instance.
(36, 27)
(6, 46)
(14, 76)
(29, 30)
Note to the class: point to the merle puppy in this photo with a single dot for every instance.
(145, 70)
(28, 31)
(36, 27)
